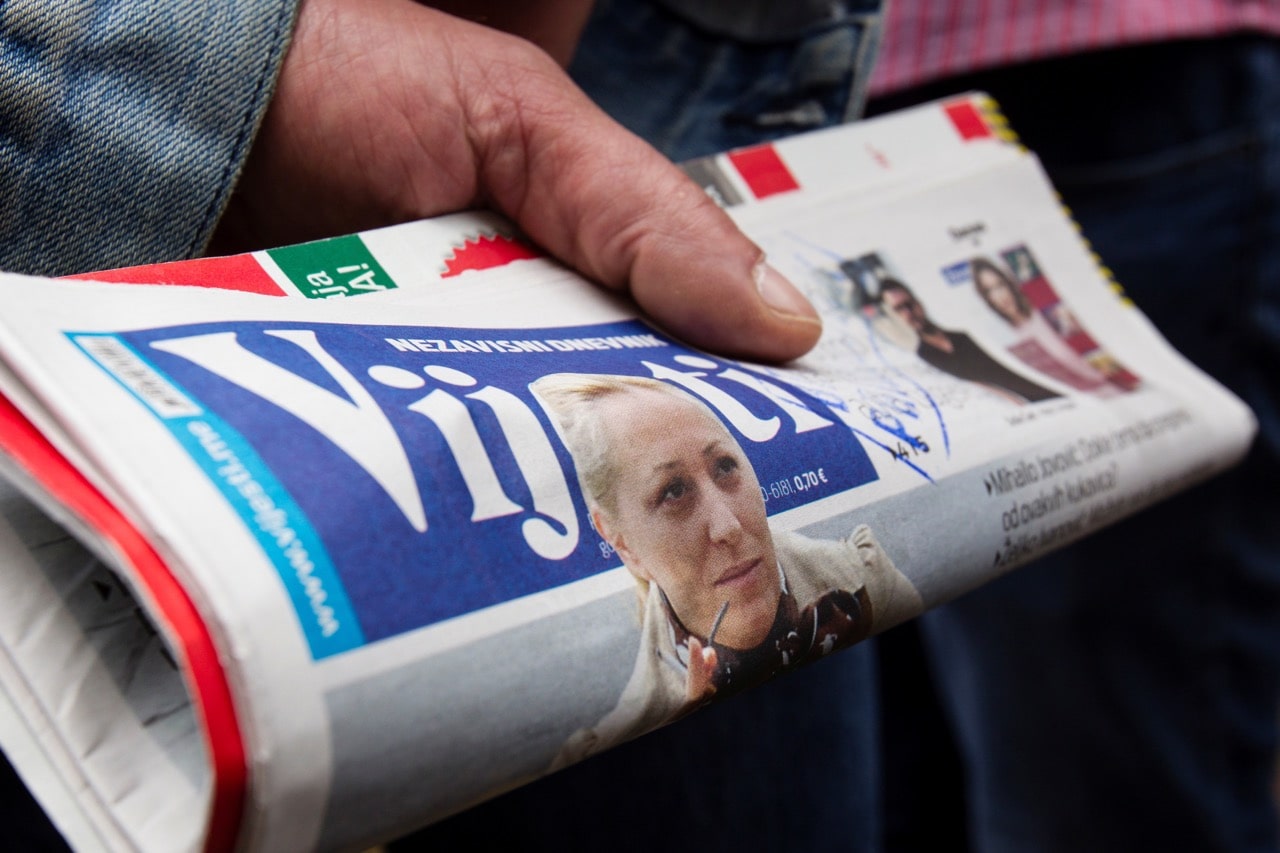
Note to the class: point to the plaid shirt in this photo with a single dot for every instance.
(926, 40)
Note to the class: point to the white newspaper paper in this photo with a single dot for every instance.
(482, 521)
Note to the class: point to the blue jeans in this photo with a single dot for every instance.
(1145, 718)
(690, 92)
(791, 765)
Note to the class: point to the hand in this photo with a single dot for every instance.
(702, 668)
(387, 111)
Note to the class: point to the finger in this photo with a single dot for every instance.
(702, 666)
(608, 204)
(707, 671)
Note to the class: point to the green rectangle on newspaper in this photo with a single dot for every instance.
(341, 266)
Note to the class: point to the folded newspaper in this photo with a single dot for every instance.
(286, 571)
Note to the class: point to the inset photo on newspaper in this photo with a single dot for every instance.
(869, 285)
(1041, 331)
(954, 351)
(724, 601)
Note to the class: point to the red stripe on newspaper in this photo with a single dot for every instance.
(234, 272)
(205, 676)
(763, 170)
(967, 121)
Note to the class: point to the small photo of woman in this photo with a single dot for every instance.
(724, 601)
(1042, 338)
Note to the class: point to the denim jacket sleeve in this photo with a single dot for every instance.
(124, 124)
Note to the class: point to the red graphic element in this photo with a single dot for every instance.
(967, 120)
(763, 170)
(1040, 293)
(879, 157)
(487, 252)
(234, 272)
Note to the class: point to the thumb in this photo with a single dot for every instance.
(611, 206)
(436, 114)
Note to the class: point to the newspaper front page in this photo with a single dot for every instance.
(483, 521)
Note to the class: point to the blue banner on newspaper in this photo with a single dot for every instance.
(398, 476)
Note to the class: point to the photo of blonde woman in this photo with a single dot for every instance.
(724, 601)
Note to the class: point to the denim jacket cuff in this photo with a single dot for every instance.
(123, 125)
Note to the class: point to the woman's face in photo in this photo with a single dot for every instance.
(999, 295)
(690, 516)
